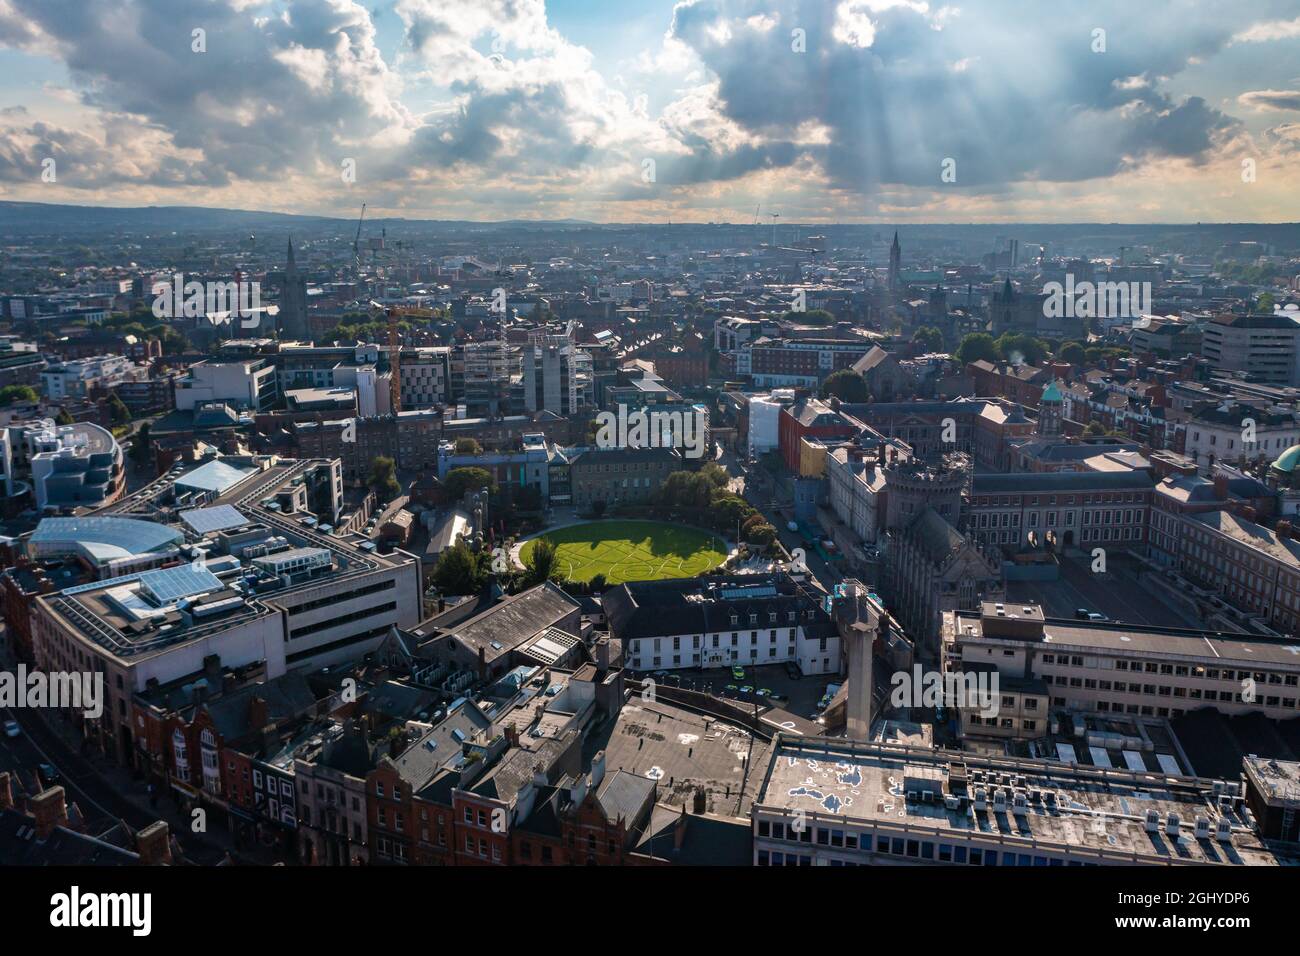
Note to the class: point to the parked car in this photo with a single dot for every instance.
(764, 692)
(1094, 616)
(1081, 613)
(738, 672)
(747, 689)
(49, 774)
(12, 729)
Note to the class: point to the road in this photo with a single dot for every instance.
(102, 803)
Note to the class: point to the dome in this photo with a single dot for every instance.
(1287, 461)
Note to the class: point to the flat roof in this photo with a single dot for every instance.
(1095, 809)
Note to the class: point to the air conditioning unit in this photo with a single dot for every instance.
(1202, 828)
(1223, 831)
(981, 798)
(951, 802)
(1171, 824)
(1153, 821)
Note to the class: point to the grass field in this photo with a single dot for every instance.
(632, 551)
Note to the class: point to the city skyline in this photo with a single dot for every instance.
(862, 111)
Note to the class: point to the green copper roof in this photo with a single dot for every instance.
(1288, 459)
(1051, 393)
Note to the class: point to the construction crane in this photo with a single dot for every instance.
(775, 216)
(356, 244)
(394, 355)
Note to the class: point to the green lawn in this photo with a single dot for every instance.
(632, 551)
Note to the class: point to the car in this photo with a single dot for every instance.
(1081, 613)
(1094, 616)
(792, 670)
(12, 729)
(731, 687)
(49, 773)
(747, 689)
(940, 715)
(764, 692)
(738, 673)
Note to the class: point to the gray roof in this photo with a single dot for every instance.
(1058, 481)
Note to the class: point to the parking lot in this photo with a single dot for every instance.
(801, 694)
(1116, 594)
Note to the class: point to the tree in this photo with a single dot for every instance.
(814, 317)
(1094, 429)
(542, 561)
(929, 338)
(1265, 303)
(142, 447)
(468, 446)
(846, 385)
(1073, 353)
(15, 394)
(762, 534)
(977, 347)
(459, 570)
(120, 414)
(462, 481)
(63, 418)
(383, 478)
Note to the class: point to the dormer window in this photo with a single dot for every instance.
(735, 619)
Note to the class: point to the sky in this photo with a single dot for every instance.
(815, 111)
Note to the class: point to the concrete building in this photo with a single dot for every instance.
(161, 624)
(1262, 347)
(825, 802)
(1099, 667)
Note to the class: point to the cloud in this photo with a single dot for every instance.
(1271, 99)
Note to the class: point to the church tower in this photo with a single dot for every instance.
(895, 265)
(292, 320)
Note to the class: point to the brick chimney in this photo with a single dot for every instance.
(50, 808)
(512, 735)
(1221, 487)
(154, 845)
(257, 713)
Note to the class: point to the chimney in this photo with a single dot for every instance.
(50, 809)
(153, 843)
(597, 769)
(212, 665)
(539, 776)
(602, 654)
(257, 715)
(578, 792)
(6, 792)
(512, 735)
(700, 802)
(1221, 487)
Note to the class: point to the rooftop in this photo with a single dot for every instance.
(1090, 810)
